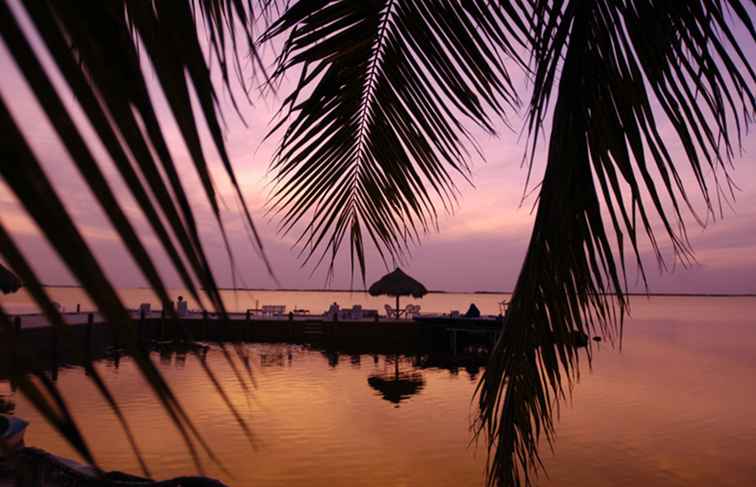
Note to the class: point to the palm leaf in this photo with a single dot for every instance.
(373, 131)
(115, 99)
(36, 290)
(605, 151)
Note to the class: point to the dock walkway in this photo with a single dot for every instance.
(33, 344)
(38, 320)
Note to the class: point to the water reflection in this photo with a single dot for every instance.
(332, 357)
(275, 358)
(397, 387)
(471, 358)
(674, 408)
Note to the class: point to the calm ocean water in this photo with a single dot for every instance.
(674, 407)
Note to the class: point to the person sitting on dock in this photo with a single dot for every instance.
(472, 311)
(333, 312)
(182, 307)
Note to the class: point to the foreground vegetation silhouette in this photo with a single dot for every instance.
(371, 135)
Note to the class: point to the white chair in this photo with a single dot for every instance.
(273, 309)
(412, 311)
(390, 312)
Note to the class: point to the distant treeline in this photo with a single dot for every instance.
(439, 291)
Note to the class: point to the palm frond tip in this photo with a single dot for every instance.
(374, 130)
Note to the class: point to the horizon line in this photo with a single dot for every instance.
(442, 291)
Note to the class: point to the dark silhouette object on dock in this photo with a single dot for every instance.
(9, 282)
(397, 284)
(472, 311)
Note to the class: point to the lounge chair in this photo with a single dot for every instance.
(412, 311)
(390, 312)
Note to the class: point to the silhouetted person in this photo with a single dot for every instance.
(333, 311)
(182, 306)
(472, 312)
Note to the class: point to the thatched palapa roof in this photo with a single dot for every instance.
(398, 283)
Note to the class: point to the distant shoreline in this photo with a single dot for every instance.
(438, 291)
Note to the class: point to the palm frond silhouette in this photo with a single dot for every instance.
(372, 136)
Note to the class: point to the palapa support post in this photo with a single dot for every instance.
(397, 306)
(78, 308)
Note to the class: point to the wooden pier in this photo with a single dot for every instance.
(35, 345)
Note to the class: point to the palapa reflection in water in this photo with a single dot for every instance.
(394, 384)
(397, 387)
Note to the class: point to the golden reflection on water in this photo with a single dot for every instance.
(674, 407)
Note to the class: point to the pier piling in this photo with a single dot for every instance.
(88, 334)
(206, 324)
(162, 323)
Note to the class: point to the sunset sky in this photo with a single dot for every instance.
(479, 247)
